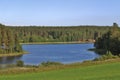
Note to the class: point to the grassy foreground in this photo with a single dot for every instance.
(107, 70)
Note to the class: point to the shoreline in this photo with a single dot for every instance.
(34, 69)
(76, 42)
(22, 53)
(13, 54)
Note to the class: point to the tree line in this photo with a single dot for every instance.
(11, 36)
(28, 34)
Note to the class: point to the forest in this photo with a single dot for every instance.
(29, 34)
(12, 36)
(9, 42)
(110, 41)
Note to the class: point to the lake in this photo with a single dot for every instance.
(64, 53)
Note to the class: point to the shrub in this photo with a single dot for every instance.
(20, 63)
(31, 66)
(48, 63)
(106, 56)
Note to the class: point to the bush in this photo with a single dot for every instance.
(48, 63)
(31, 66)
(20, 63)
(106, 56)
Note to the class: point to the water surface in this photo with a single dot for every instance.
(64, 53)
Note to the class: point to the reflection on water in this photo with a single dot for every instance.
(9, 60)
(64, 53)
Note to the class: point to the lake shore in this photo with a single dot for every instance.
(75, 42)
(34, 69)
(13, 54)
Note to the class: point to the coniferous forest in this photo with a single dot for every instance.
(110, 41)
(27, 34)
(9, 42)
(12, 36)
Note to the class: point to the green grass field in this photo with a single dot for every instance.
(108, 71)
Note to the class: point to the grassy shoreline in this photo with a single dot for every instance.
(13, 54)
(75, 42)
(28, 70)
(88, 70)
(22, 53)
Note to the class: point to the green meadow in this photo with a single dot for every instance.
(104, 71)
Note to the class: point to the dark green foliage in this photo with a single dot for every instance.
(106, 57)
(95, 35)
(110, 41)
(103, 42)
(11, 36)
(115, 46)
(31, 66)
(20, 63)
(9, 42)
(59, 34)
(48, 63)
(31, 39)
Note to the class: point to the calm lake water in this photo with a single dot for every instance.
(64, 53)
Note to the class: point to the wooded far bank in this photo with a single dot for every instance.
(11, 36)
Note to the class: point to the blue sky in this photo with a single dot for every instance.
(59, 12)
